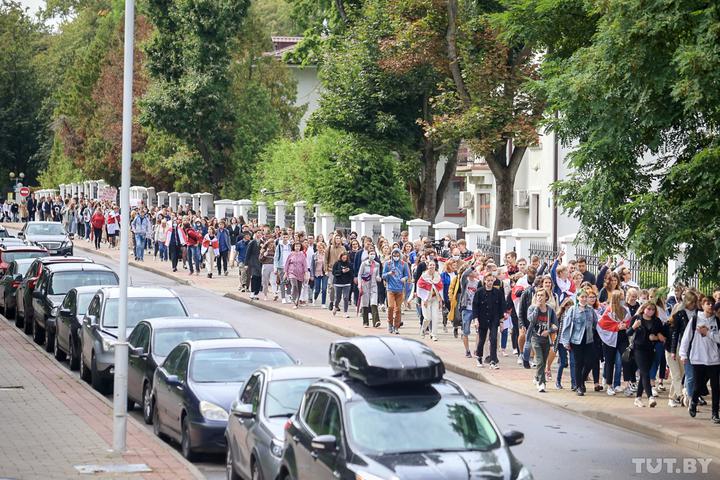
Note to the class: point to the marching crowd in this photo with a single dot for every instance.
(601, 329)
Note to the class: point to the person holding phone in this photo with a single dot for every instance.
(543, 323)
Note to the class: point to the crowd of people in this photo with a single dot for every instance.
(600, 328)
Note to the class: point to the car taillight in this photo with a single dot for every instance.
(15, 284)
(31, 283)
(288, 424)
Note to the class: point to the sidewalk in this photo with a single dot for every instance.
(672, 425)
(50, 422)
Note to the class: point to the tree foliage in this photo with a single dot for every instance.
(346, 173)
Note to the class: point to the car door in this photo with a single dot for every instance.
(324, 465)
(137, 364)
(243, 428)
(87, 335)
(178, 394)
(63, 323)
(5, 282)
(160, 386)
(37, 298)
(311, 422)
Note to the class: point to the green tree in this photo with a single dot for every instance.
(346, 173)
(188, 59)
(22, 122)
(640, 99)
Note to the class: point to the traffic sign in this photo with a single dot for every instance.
(24, 192)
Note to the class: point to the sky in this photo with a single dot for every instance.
(33, 5)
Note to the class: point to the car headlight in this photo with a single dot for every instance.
(107, 344)
(276, 448)
(212, 412)
(360, 475)
(54, 312)
(524, 474)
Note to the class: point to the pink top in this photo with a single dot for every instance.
(296, 265)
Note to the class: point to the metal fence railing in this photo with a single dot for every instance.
(544, 250)
(491, 250)
(644, 274)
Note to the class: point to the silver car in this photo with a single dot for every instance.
(99, 329)
(255, 427)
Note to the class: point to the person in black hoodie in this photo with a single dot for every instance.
(646, 329)
(342, 280)
(489, 309)
(674, 330)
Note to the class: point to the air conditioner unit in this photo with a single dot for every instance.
(466, 200)
(522, 199)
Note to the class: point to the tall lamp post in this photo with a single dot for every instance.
(17, 178)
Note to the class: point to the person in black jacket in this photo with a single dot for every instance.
(342, 280)
(252, 262)
(647, 331)
(489, 309)
(526, 299)
(31, 207)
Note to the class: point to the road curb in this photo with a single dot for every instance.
(164, 446)
(652, 431)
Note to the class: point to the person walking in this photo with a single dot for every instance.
(368, 279)
(342, 280)
(282, 252)
(542, 323)
(175, 241)
(223, 237)
(612, 328)
(254, 267)
(295, 269)
(333, 254)
(194, 247)
(646, 330)
(318, 272)
(97, 221)
(489, 309)
(396, 273)
(430, 292)
(470, 282)
(267, 254)
(139, 227)
(210, 250)
(240, 249)
(577, 337)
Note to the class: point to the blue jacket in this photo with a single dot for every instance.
(577, 323)
(223, 237)
(396, 283)
(241, 249)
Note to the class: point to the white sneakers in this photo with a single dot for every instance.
(652, 402)
(610, 391)
(638, 402)
(654, 392)
(519, 360)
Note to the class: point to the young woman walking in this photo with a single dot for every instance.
(646, 330)
(612, 328)
(430, 291)
(577, 336)
(561, 352)
(318, 271)
(210, 250)
(368, 280)
(543, 322)
(295, 270)
(267, 254)
(342, 280)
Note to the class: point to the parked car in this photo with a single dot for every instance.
(390, 414)
(4, 233)
(23, 296)
(68, 321)
(150, 342)
(12, 242)
(17, 252)
(197, 382)
(9, 284)
(100, 327)
(255, 429)
(51, 235)
(53, 284)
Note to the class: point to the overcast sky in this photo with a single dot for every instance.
(33, 5)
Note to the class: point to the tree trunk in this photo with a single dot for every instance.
(504, 172)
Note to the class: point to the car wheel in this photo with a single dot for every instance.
(156, 420)
(38, 334)
(147, 404)
(229, 462)
(84, 370)
(49, 340)
(96, 380)
(74, 357)
(59, 354)
(130, 404)
(185, 446)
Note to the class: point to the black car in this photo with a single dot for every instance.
(54, 282)
(23, 296)
(68, 322)
(389, 414)
(150, 342)
(197, 383)
(9, 284)
(51, 235)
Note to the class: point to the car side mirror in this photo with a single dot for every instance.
(138, 352)
(21, 235)
(91, 320)
(65, 312)
(242, 410)
(324, 443)
(172, 380)
(37, 294)
(18, 277)
(513, 438)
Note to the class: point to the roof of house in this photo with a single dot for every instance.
(282, 45)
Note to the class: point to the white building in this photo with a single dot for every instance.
(533, 206)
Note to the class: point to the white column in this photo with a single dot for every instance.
(675, 264)
(355, 222)
(370, 226)
(221, 208)
(151, 197)
(173, 198)
(390, 228)
(300, 215)
(280, 206)
(94, 189)
(508, 242)
(523, 238)
(196, 202)
(62, 190)
(446, 228)
(417, 228)
(162, 198)
(474, 234)
(185, 199)
(316, 218)
(262, 213)
(206, 201)
(86, 190)
(241, 208)
(327, 225)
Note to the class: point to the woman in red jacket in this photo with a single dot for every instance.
(97, 221)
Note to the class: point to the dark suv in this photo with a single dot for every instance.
(51, 235)
(388, 413)
(53, 284)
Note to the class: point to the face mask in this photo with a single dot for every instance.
(174, 224)
(371, 256)
(456, 257)
(431, 259)
(396, 257)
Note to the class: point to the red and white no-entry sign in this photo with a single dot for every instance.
(24, 192)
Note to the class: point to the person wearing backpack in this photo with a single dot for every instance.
(699, 348)
(675, 328)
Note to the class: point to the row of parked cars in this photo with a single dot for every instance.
(381, 409)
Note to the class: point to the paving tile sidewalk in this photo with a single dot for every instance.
(669, 424)
(51, 421)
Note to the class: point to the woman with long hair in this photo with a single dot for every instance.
(267, 254)
(369, 278)
(686, 311)
(646, 330)
(577, 336)
(560, 350)
(543, 322)
(612, 328)
(342, 279)
(611, 283)
(430, 291)
(408, 258)
(295, 270)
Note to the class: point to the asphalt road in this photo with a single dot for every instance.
(558, 444)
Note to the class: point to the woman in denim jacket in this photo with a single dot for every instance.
(577, 336)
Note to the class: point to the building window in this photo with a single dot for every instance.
(452, 197)
(482, 208)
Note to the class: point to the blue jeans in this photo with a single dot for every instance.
(503, 338)
(527, 347)
(467, 316)
(689, 379)
(617, 377)
(162, 248)
(88, 230)
(657, 361)
(193, 255)
(320, 286)
(139, 246)
(562, 353)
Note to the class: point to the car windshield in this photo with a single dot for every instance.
(226, 365)
(62, 282)
(142, 308)
(421, 423)
(83, 300)
(10, 256)
(283, 396)
(45, 229)
(168, 338)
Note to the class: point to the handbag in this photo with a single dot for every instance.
(627, 355)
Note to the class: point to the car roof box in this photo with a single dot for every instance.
(387, 360)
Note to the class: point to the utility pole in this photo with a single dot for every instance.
(121, 348)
